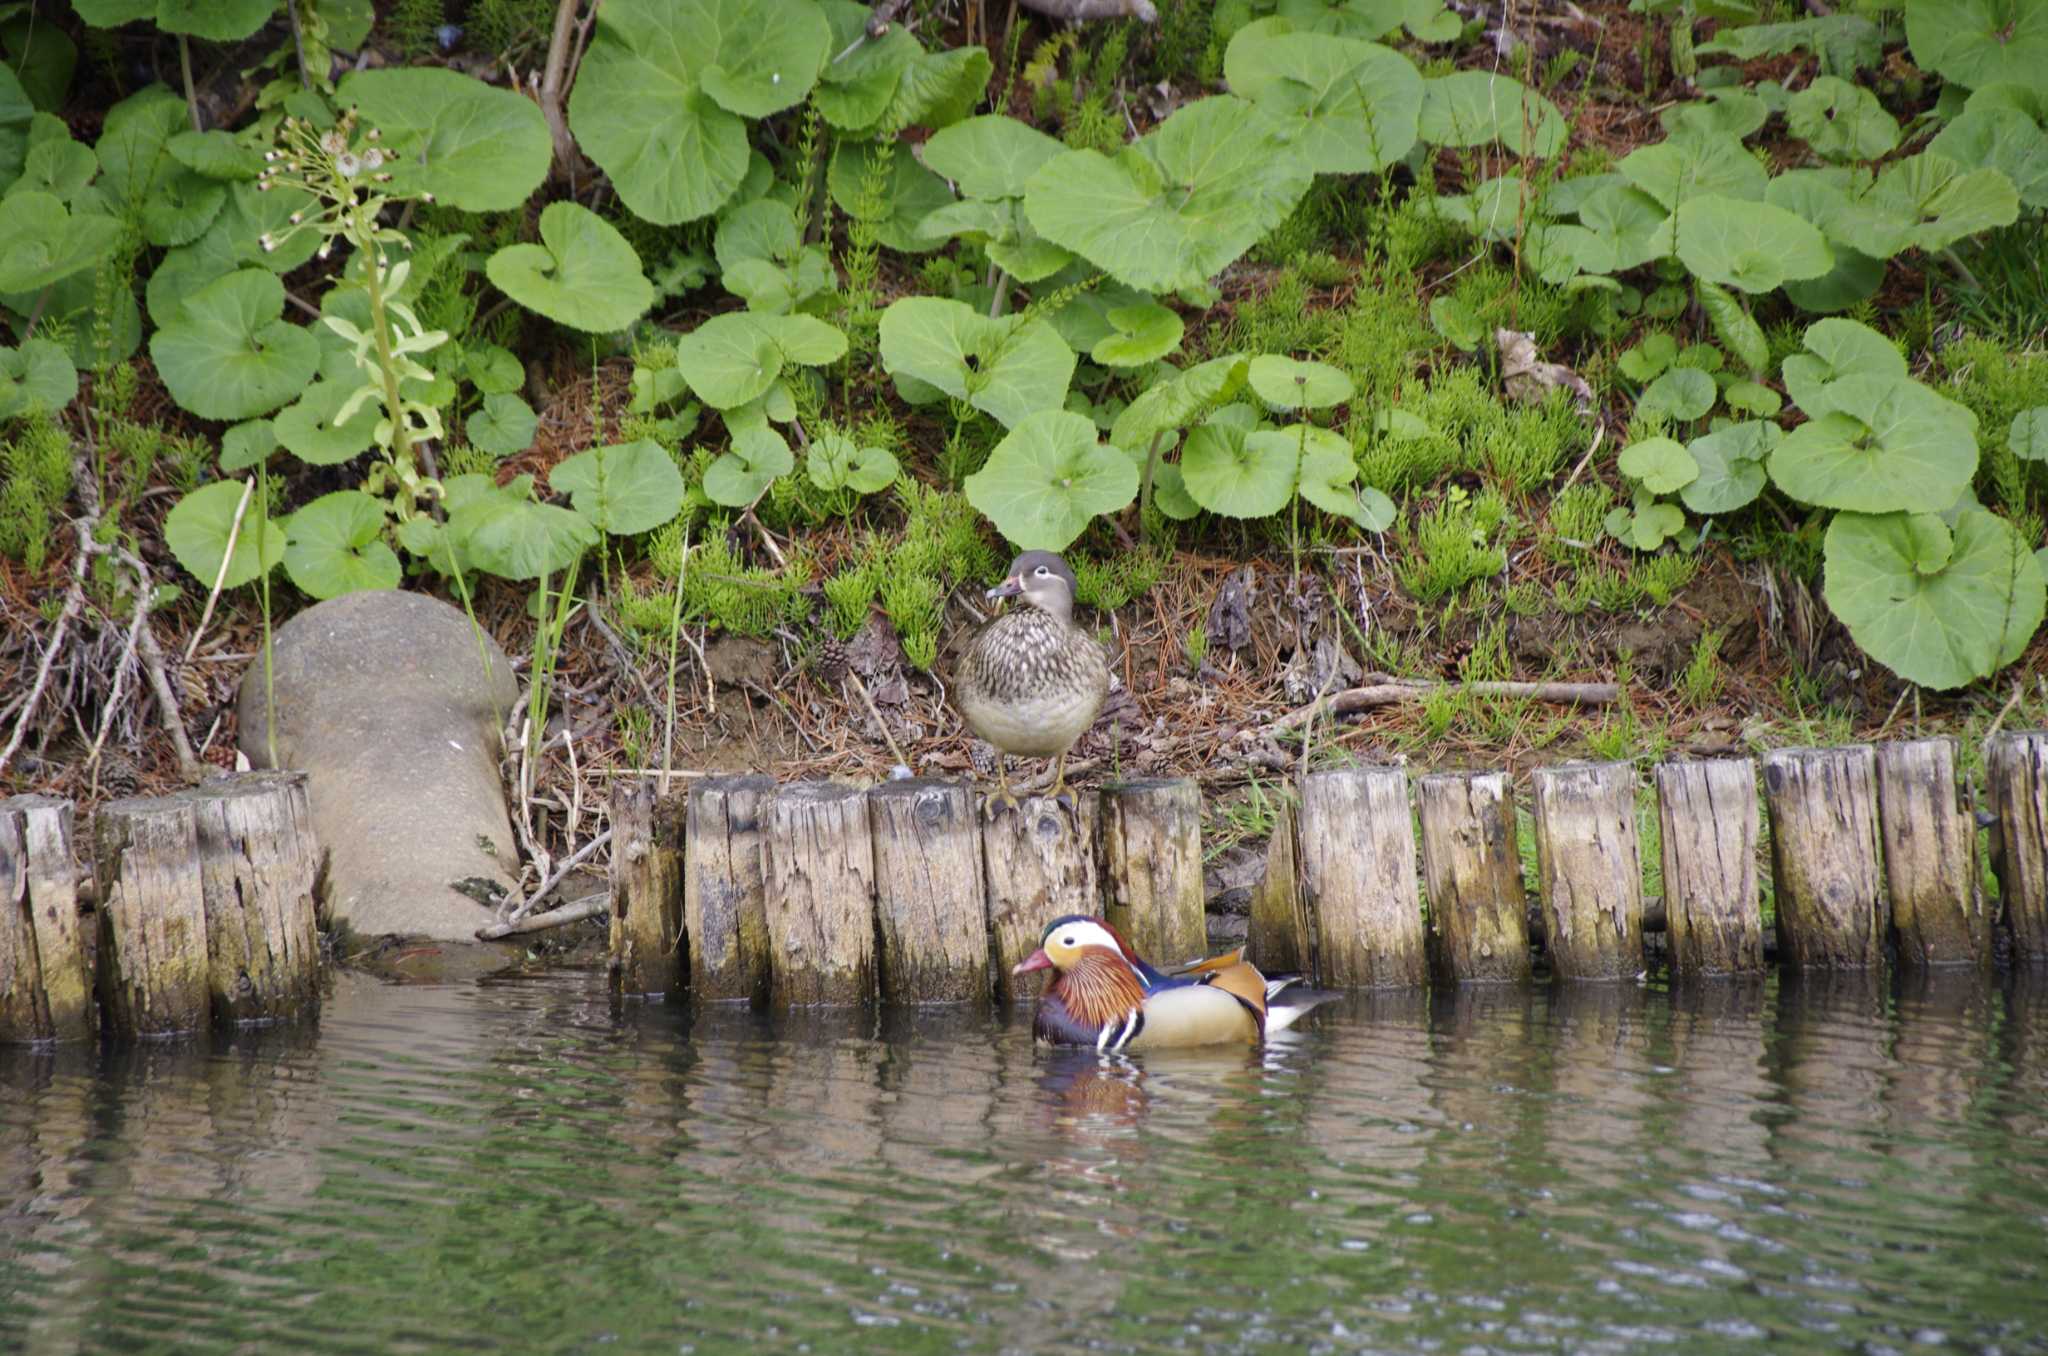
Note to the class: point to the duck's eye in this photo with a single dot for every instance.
(1066, 941)
(1042, 572)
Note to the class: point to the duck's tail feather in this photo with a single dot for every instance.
(1288, 1000)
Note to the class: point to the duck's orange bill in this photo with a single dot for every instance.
(1037, 960)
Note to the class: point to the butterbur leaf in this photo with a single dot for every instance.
(38, 375)
(1695, 165)
(1749, 397)
(1841, 121)
(1940, 625)
(912, 192)
(216, 155)
(835, 462)
(1631, 227)
(583, 274)
(1049, 478)
(335, 545)
(735, 358)
(1457, 322)
(493, 370)
(307, 426)
(938, 89)
(42, 243)
(503, 426)
(1351, 107)
(472, 146)
(230, 354)
(1325, 474)
(198, 527)
(1178, 205)
(757, 457)
(1752, 246)
(1730, 466)
(858, 84)
(1979, 42)
(2003, 127)
(2028, 437)
(1886, 444)
(1145, 333)
(1232, 469)
(1683, 393)
(1648, 359)
(1836, 349)
(247, 444)
(1662, 465)
(1475, 108)
(1009, 368)
(1172, 404)
(624, 488)
(1295, 385)
(992, 156)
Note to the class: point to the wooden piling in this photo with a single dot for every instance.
(929, 892)
(1478, 912)
(1929, 830)
(1357, 855)
(821, 892)
(152, 907)
(258, 861)
(725, 910)
(45, 972)
(1152, 867)
(1589, 870)
(1708, 814)
(1040, 864)
(2016, 772)
(1277, 935)
(1824, 856)
(647, 888)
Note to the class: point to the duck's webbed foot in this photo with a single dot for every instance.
(1062, 794)
(1002, 798)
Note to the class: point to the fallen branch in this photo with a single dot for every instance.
(555, 878)
(1388, 694)
(590, 906)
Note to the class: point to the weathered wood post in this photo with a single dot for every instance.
(1929, 829)
(2016, 770)
(1824, 856)
(929, 892)
(1589, 870)
(258, 862)
(152, 906)
(725, 891)
(1478, 912)
(1357, 853)
(647, 888)
(1277, 936)
(1708, 814)
(1152, 867)
(1040, 863)
(45, 973)
(821, 895)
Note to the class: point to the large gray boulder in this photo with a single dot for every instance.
(384, 700)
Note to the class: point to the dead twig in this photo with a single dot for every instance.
(556, 877)
(590, 906)
(1388, 694)
(220, 576)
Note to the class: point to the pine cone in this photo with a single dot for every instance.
(832, 660)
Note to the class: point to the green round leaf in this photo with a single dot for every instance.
(1049, 478)
(1475, 108)
(1853, 280)
(1693, 165)
(911, 192)
(1145, 333)
(1888, 444)
(1683, 393)
(517, 539)
(1232, 470)
(859, 83)
(583, 274)
(503, 426)
(229, 354)
(1841, 121)
(1836, 349)
(1662, 465)
(1752, 246)
(992, 156)
(247, 444)
(1748, 397)
(197, 530)
(757, 457)
(1649, 358)
(38, 375)
(2003, 127)
(307, 429)
(335, 545)
(1942, 628)
(1351, 107)
(661, 98)
(42, 243)
(1009, 368)
(2028, 437)
(764, 229)
(493, 369)
(729, 360)
(624, 488)
(1180, 204)
(1731, 466)
(1980, 42)
(216, 155)
(1294, 385)
(835, 463)
(1326, 472)
(472, 146)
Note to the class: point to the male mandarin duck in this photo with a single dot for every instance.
(1032, 681)
(1105, 995)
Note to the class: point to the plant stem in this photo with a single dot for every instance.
(191, 96)
(269, 675)
(1145, 485)
(364, 234)
(1000, 302)
(675, 631)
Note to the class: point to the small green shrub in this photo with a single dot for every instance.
(1446, 551)
(35, 479)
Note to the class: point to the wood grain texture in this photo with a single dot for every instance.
(1478, 910)
(1589, 870)
(930, 893)
(1040, 864)
(821, 896)
(1277, 937)
(648, 850)
(45, 971)
(258, 862)
(2016, 769)
(1356, 850)
(1824, 856)
(152, 907)
(1710, 824)
(725, 890)
(1152, 867)
(1931, 870)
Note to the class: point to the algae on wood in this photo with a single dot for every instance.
(1707, 812)
(1478, 911)
(725, 909)
(45, 969)
(152, 906)
(1041, 865)
(929, 892)
(647, 888)
(1824, 856)
(1356, 847)
(1929, 830)
(1152, 867)
(821, 892)
(1589, 870)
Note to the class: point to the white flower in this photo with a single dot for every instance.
(347, 165)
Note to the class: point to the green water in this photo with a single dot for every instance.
(517, 1166)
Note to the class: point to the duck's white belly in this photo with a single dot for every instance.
(1038, 727)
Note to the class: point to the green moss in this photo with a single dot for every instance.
(1446, 550)
(35, 479)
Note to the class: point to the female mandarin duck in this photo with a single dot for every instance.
(1103, 994)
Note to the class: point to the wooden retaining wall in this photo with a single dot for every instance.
(819, 893)
(204, 912)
